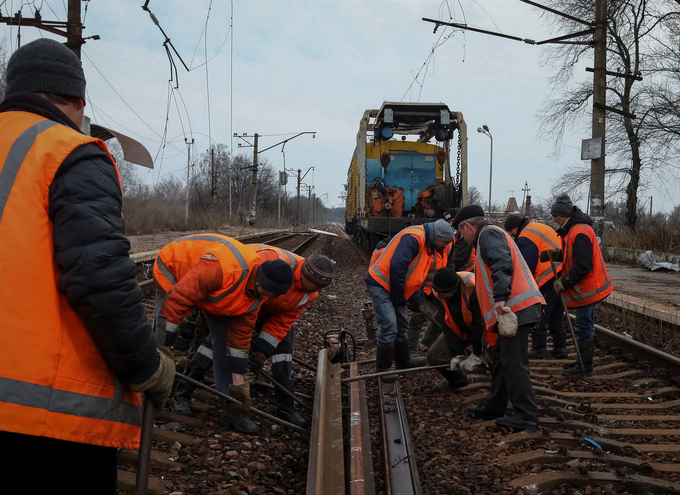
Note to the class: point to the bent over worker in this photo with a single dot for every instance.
(75, 344)
(273, 336)
(460, 318)
(229, 282)
(394, 278)
(584, 279)
(504, 285)
(532, 239)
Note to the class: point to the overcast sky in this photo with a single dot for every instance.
(316, 66)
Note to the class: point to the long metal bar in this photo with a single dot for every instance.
(285, 390)
(566, 311)
(393, 372)
(228, 398)
(476, 30)
(566, 37)
(557, 12)
(144, 457)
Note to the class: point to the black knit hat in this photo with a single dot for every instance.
(451, 213)
(275, 276)
(318, 269)
(467, 212)
(45, 66)
(512, 222)
(562, 207)
(445, 280)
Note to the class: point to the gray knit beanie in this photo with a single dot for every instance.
(45, 66)
(562, 207)
(443, 231)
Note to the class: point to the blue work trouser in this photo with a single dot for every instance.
(585, 322)
(392, 320)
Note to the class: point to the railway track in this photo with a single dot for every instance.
(615, 432)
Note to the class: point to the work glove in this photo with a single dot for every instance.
(242, 394)
(158, 387)
(558, 285)
(455, 362)
(470, 362)
(256, 362)
(556, 255)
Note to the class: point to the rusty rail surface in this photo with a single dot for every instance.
(326, 468)
(401, 471)
(361, 480)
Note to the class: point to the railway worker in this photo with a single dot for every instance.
(584, 279)
(379, 248)
(463, 252)
(505, 286)
(397, 275)
(460, 319)
(273, 333)
(76, 347)
(533, 238)
(229, 282)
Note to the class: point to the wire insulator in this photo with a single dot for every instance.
(154, 18)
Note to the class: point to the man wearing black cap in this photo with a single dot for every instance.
(229, 282)
(460, 319)
(76, 343)
(394, 278)
(532, 239)
(584, 279)
(507, 294)
(463, 252)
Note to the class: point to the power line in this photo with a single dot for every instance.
(207, 76)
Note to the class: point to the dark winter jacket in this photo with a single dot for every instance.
(406, 251)
(493, 248)
(582, 250)
(91, 251)
(477, 329)
(462, 250)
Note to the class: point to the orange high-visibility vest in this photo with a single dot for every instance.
(440, 261)
(523, 289)
(469, 265)
(462, 333)
(375, 255)
(175, 260)
(282, 311)
(54, 382)
(417, 269)
(544, 237)
(596, 285)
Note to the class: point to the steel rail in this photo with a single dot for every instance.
(361, 480)
(326, 467)
(401, 472)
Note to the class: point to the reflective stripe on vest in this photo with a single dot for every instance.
(237, 254)
(543, 271)
(488, 285)
(304, 300)
(269, 339)
(71, 403)
(292, 261)
(469, 287)
(16, 156)
(164, 270)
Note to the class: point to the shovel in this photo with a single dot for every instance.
(566, 310)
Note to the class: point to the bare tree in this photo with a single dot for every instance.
(637, 32)
(3, 69)
(474, 196)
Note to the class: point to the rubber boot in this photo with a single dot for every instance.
(413, 340)
(587, 349)
(282, 372)
(403, 359)
(538, 350)
(453, 379)
(559, 350)
(232, 417)
(384, 357)
(199, 364)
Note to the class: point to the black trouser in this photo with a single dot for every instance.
(282, 372)
(552, 313)
(447, 341)
(42, 465)
(510, 376)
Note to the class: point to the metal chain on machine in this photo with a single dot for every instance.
(460, 147)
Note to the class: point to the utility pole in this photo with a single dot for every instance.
(309, 204)
(597, 166)
(299, 181)
(74, 28)
(651, 200)
(254, 184)
(186, 206)
(213, 173)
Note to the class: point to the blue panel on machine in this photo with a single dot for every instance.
(409, 170)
